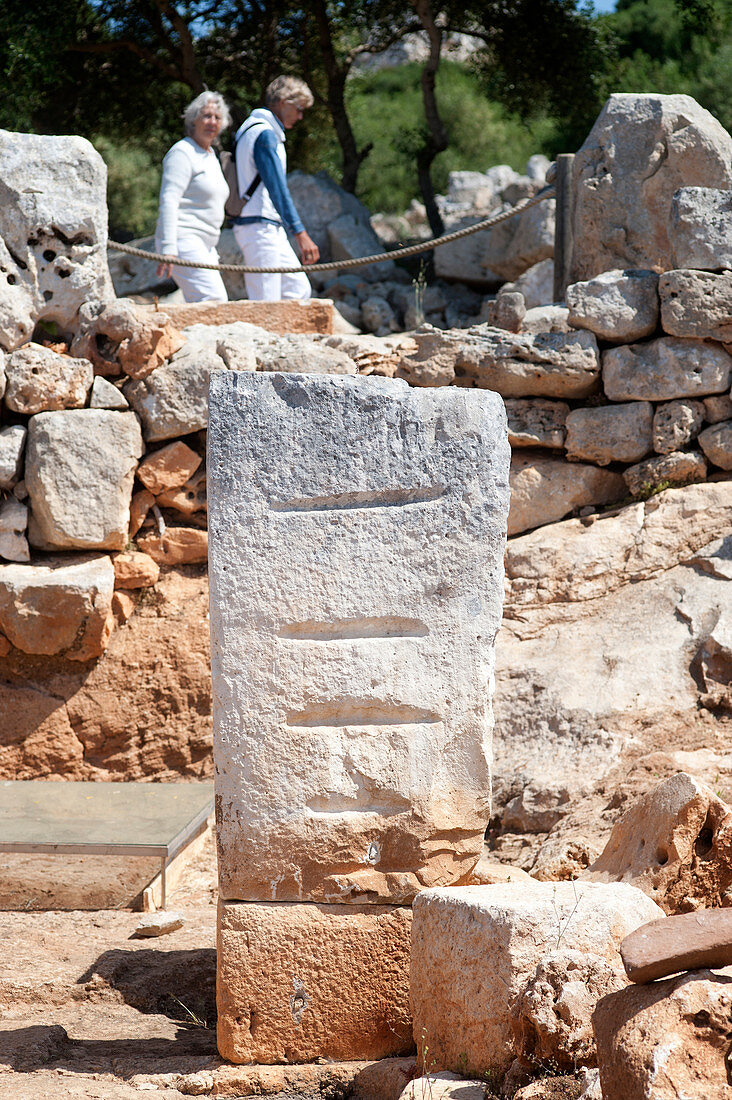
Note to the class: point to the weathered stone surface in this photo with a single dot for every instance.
(374, 354)
(173, 400)
(2, 372)
(12, 442)
(553, 1024)
(676, 468)
(544, 490)
(285, 317)
(54, 235)
(168, 468)
(666, 1040)
(123, 604)
(664, 369)
(159, 924)
(717, 408)
(697, 303)
(504, 252)
(610, 433)
(547, 365)
(619, 306)
(177, 546)
(41, 380)
(536, 285)
(79, 470)
(13, 525)
(301, 354)
(350, 237)
(546, 319)
(507, 311)
(690, 941)
(443, 1086)
(189, 498)
(121, 335)
(299, 982)
(367, 772)
(464, 1014)
(61, 606)
(106, 396)
(140, 505)
(320, 201)
(716, 442)
(675, 844)
(536, 423)
(676, 423)
(133, 569)
(642, 148)
(699, 227)
(489, 871)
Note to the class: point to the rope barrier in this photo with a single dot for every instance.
(338, 265)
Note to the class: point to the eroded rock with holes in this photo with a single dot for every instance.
(697, 303)
(53, 234)
(700, 221)
(663, 369)
(676, 423)
(80, 466)
(533, 422)
(675, 844)
(41, 380)
(122, 336)
(663, 471)
(666, 1040)
(465, 1014)
(641, 150)
(325, 477)
(60, 606)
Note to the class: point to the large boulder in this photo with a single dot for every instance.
(80, 465)
(60, 606)
(53, 234)
(464, 1014)
(642, 149)
(666, 1040)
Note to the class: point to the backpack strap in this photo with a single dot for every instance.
(257, 179)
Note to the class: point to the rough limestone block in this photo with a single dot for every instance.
(41, 380)
(106, 396)
(173, 400)
(544, 490)
(53, 235)
(475, 948)
(699, 227)
(62, 606)
(619, 306)
(642, 148)
(80, 466)
(697, 303)
(299, 982)
(357, 530)
(665, 368)
(676, 468)
(610, 433)
(676, 423)
(716, 442)
(12, 442)
(121, 335)
(546, 319)
(668, 1040)
(13, 525)
(717, 408)
(536, 423)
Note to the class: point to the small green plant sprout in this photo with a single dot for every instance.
(420, 285)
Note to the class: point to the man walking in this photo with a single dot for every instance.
(261, 166)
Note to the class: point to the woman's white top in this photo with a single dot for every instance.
(192, 196)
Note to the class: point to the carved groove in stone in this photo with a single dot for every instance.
(378, 626)
(380, 498)
(365, 713)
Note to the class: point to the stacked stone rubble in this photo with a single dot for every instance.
(357, 536)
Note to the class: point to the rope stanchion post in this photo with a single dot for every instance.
(563, 233)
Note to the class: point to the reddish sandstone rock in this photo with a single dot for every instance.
(123, 604)
(133, 569)
(140, 505)
(168, 468)
(120, 334)
(177, 546)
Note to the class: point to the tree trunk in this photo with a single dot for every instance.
(336, 76)
(437, 139)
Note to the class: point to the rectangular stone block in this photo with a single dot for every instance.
(299, 982)
(314, 315)
(357, 529)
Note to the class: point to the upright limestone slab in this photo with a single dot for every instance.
(356, 541)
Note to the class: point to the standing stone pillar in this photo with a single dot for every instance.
(357, 529)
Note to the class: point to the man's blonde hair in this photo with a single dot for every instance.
(288, 89)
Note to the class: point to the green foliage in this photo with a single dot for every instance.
(133, 182)
(386, 109)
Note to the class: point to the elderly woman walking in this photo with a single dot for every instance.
(192, 196)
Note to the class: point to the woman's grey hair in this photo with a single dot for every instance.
(288, 89)
(194, 109)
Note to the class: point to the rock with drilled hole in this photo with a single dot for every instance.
(356, 539)
(675, 844)
(53, 232)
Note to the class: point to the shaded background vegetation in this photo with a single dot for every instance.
(120, 72)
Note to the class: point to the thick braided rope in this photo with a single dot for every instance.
(339, 265)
